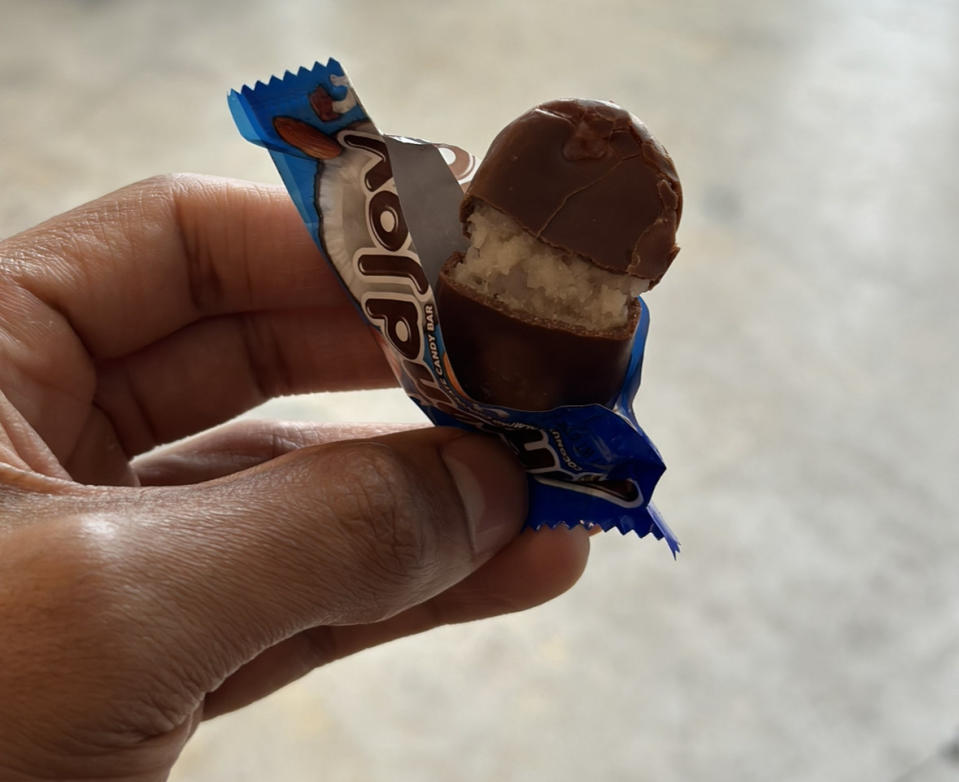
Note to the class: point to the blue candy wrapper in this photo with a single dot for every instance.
(384, 211)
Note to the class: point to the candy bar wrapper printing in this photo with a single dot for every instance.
(384, 211)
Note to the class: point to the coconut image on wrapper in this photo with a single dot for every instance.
(571, 215)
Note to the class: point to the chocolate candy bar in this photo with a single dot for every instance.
(571, 215)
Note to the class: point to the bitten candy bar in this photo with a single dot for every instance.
(385, 213)
(571, 215)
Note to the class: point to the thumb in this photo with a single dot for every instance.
(343, 533)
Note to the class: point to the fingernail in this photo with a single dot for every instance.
(492, 487)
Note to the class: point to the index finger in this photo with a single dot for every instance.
(168, 307)
(139, 264)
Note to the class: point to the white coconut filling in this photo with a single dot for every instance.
(506, 264)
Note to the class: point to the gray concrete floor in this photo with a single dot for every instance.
(800, 380)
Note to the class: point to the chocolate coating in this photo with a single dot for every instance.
(586, 177)
(528, 363)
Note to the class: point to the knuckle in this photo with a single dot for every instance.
(84, 569)
(386, 515)
(74, 595)
(170, 195)
(177, 195)
(163, 184)
(79, 608)
(270, 368)
(162, 190)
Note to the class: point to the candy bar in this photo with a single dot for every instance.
(571, 215)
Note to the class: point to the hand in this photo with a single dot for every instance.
(139, 596)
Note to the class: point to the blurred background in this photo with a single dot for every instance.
(800, 378)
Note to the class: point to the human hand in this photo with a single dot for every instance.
(139, 596)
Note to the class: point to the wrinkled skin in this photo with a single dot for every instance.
(144, 590)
